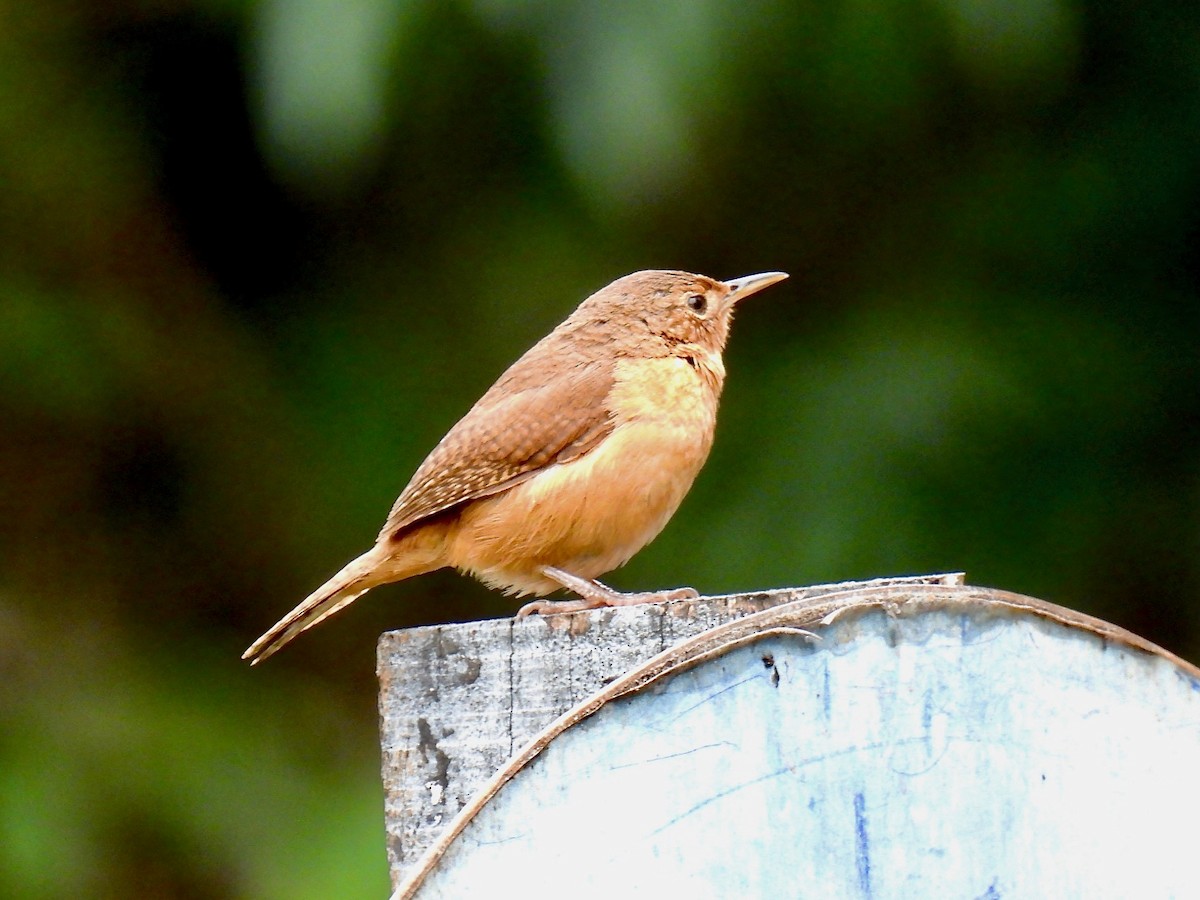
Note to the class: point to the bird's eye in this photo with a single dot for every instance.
(697, 303)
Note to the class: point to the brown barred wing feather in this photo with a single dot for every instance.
(506, 439)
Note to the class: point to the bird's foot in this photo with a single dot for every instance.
(594, 595)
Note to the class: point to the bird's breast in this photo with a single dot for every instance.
(590, 515)
(678, 390)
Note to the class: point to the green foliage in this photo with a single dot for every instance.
(258, 257)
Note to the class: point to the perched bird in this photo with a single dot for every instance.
(571, 462)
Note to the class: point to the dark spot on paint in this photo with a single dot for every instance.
(768, 662)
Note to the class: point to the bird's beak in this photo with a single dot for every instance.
(741, 288)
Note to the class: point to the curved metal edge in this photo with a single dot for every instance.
(802, 617)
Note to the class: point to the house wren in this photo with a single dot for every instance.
(570, 463)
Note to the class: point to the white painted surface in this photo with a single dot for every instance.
(936, 755)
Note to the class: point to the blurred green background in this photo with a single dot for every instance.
(257, 257)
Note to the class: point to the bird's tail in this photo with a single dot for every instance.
(358, 577)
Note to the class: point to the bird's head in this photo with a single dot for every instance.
(673, 307)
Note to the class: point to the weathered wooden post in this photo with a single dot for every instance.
(895, 738)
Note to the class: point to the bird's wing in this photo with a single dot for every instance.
(505, 439)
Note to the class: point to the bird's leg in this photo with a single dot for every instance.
(593, 595)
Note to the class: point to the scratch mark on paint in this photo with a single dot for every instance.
(668, 756)
(709, 698)
(825, 700)
(794, 769)
(927, 721)
(862, 849)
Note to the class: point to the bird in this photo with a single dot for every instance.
(570, 463)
